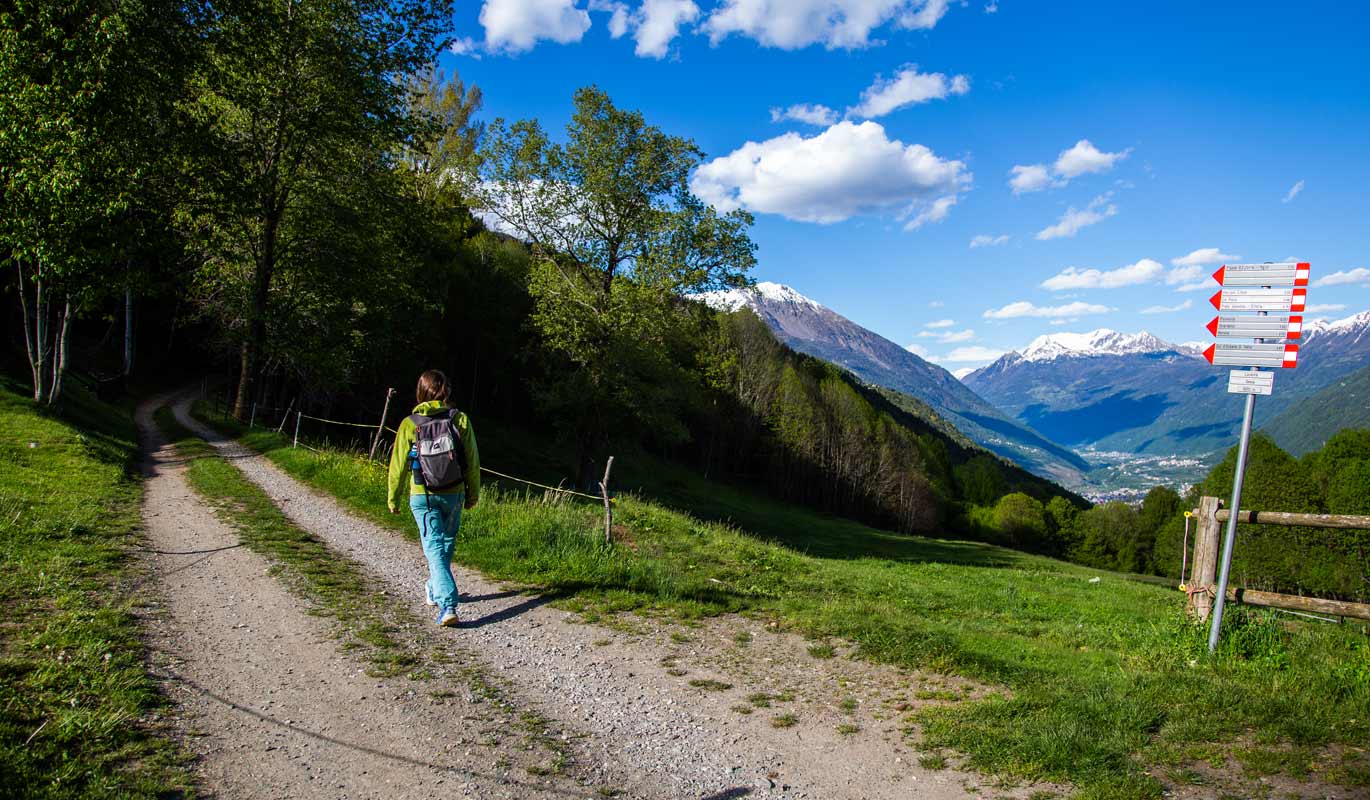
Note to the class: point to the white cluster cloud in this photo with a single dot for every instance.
(1078, 160)
(940, 323)
(936, 211)
(1293, 192)
(846, 170)
(1325, 308)
(513, 26)
(985, 240)
(1098, 210)
(806, 113)
(1143, 271)
(972, 353)
(465, 46)
(1358, 276)
(654, 24)
(1185, 306)
(947, 336)
(1029, 178)
(1204, 256)
(835, 24)
(1190, 273)
(1023, 308)
(907, 87)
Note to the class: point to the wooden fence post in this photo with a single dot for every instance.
(380, 429)
(1207, 540)
(296, 443)
(288, 409)
(608, 508)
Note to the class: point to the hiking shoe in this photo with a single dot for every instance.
(448, 618)
(428, 595)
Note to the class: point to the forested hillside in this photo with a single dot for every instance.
(1306, 426)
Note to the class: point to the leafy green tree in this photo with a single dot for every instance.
(616, 237)
(439, 152)
(981, 480)
(1022, 520)
(1160, 507)
(87, 90)
(1061, 520)
(301, 97)
(1109, 538)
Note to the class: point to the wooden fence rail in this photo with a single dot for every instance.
(1202, 580)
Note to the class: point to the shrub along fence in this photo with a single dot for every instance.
(1202, 582)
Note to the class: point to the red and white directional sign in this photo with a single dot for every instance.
(1285, 300)
(1268, 327)
(1286, 274)
(1250, 381)
(1226, 354)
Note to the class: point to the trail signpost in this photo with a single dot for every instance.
(1262, 288)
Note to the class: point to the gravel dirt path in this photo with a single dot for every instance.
(621, 698)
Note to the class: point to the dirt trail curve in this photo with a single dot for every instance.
(632, 725)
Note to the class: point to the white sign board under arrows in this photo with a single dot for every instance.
(1250, 381)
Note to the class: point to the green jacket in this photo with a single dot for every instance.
(401, 473)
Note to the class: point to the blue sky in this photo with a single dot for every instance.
(1144, 134)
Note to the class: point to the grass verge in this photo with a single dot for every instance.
(77, 707)
(1104, 680)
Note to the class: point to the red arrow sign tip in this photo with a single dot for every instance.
(1217, 300)
(1213, 326)
(1218, 276)
(1208, 354)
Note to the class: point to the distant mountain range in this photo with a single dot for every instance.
(1135, 393)
(811, 328)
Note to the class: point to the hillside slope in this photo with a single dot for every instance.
(811, 328)
(1308, 424)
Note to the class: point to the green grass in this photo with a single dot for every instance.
(336, 587)
(1099, 679)
(76, 702)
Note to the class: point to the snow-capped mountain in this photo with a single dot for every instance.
(809, 327)
(763, 292)
(1137, 393)
(1101, 342)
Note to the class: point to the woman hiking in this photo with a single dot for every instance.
(435, 454)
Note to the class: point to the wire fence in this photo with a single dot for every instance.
(271, 411)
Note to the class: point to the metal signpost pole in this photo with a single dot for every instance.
(1231, 538)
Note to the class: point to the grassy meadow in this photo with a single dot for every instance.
(1104, 682)
(77, 707)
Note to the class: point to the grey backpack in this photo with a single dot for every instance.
(439, 455)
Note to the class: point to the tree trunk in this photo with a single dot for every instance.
(40, 389)
(128, 331)
(256, 334)
(59, 361)
(32, 344)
